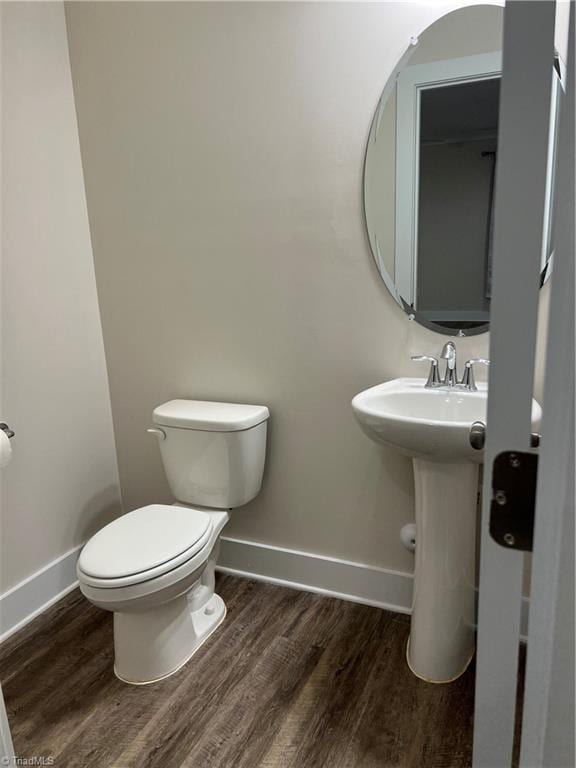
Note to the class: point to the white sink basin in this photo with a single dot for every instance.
(432, 424)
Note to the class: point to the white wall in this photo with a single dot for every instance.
(63, 481)
(223, 148)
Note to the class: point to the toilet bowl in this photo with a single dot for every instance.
(154, 567)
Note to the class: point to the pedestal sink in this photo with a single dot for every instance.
(432, 426)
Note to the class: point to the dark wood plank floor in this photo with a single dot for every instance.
(290, 680)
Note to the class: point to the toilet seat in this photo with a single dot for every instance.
(144, 544)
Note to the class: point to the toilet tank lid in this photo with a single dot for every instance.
(209, 416)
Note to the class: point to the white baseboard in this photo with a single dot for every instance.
(308, 572)
(329, 576)
(344, 579)
(31, 597)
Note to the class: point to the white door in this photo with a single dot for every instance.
(548, 717)
(6, 748)
(519, 216)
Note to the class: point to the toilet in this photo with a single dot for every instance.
(154, 567)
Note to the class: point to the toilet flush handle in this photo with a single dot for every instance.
(161, 435)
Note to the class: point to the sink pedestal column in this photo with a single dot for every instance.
(442, 631)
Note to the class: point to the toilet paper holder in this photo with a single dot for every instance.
(5, 428)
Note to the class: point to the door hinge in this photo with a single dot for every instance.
(514, 478)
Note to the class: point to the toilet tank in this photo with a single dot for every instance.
(213, 453)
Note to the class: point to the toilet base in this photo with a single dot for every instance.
(155, 644)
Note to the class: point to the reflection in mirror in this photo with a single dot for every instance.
(430, 170)
(458, 143)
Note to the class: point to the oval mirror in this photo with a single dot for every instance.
(430, 168)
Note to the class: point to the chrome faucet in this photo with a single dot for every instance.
(449, 354)
(450, 379)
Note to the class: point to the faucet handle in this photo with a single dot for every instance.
(468, 378)
(433, 376)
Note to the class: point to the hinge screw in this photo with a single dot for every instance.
(509, 539)
(500, 498)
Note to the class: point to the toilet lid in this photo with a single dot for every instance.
(144, 539)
